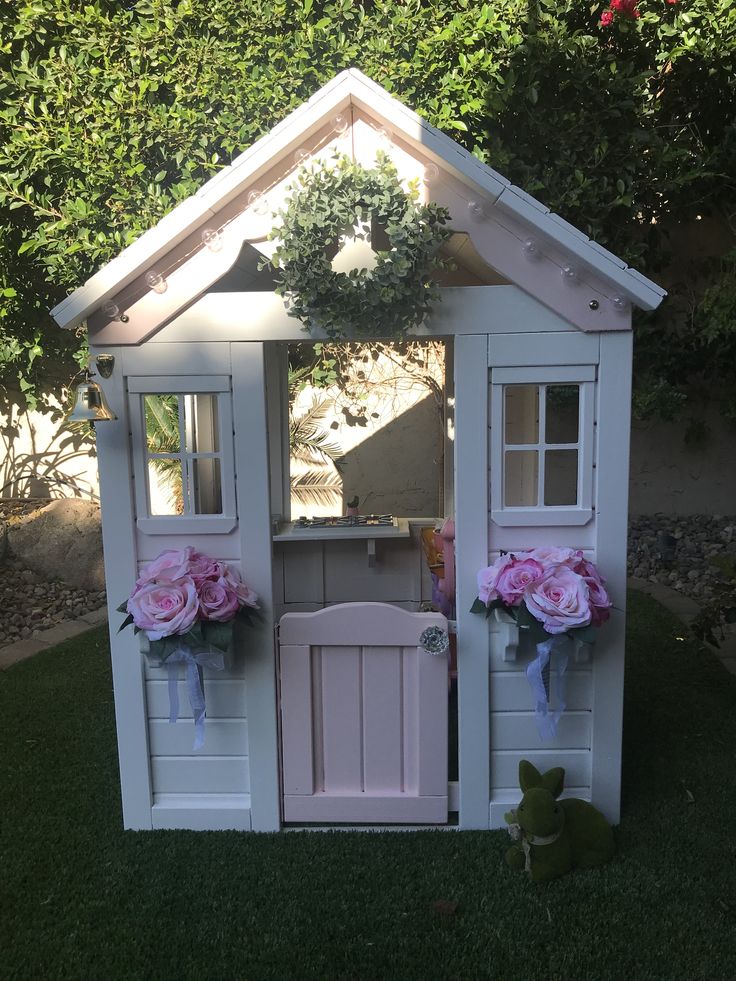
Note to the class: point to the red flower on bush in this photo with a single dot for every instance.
(627, 9)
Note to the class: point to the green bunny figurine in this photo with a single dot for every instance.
(555, 836)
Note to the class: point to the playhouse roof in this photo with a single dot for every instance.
(352, 92)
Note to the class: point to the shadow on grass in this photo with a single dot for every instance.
(82, 899)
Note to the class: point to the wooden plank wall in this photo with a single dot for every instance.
(514, 733)
(209, 788)
(309, 575)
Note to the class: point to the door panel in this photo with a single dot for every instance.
(363, 716)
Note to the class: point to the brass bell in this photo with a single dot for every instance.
(91, 404)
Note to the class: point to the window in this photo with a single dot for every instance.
(182, 454)
(182, 443)
(542, 433)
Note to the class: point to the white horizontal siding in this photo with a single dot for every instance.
(505, 766)
(335, 571)
(223, 737)
(512, 730)
(233, 671)
(571, 536)
(221, 766)
(201, 812)
(510, 690)
(200, 774)
(224, 547)
(225, 699)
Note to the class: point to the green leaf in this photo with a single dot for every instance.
(587, 635)
(533, 628)
(126, 622)
(478, 606)
(218, 635)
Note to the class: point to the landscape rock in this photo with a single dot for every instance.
(701, 539)
(61, 541)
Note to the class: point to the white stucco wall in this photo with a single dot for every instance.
(41, 457)
(674, 477)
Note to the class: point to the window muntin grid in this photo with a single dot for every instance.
(183, 456)
(541, 447)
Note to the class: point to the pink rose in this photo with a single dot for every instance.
(245, 594)
(203, 567)
(559, 600)
(164, 609)
(600, 603)
(549, 555)
(170, 565)
(218, 601)
(516, 577)
(488, 578)
(585, 569)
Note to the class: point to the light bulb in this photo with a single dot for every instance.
(301, 156)
(213, 239)
(341, 124)
(430, 172)
(111, 310)
(531, 250)
(156, 281)
(476, 209)
(383, 134)
(620, 304)
(257, 202)
(569, 274)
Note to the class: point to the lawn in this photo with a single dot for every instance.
(81, 899)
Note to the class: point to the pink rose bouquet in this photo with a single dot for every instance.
(554, 594)
(551, 591)
(186, 598)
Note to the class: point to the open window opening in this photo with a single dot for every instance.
(367, 425)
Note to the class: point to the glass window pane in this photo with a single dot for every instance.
(162, 423)
(206, 493)
(165, 487)
(520, 478)
(562, 413)
(560, 477)
(202, 428)
(521, 414)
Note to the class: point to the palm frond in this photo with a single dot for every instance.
(317, 488)
(309, 442)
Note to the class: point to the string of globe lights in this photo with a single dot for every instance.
(214, 239)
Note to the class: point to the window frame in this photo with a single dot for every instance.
(540, 514)
(177, 524)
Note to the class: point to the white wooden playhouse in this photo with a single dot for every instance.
(339, 717)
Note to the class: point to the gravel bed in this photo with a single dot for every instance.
(28, 603)
(694, 543)
(13, 508)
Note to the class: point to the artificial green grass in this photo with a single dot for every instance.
(81, 899)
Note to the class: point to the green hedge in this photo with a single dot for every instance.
(110, 114)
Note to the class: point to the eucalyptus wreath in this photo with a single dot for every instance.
(329, 201)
